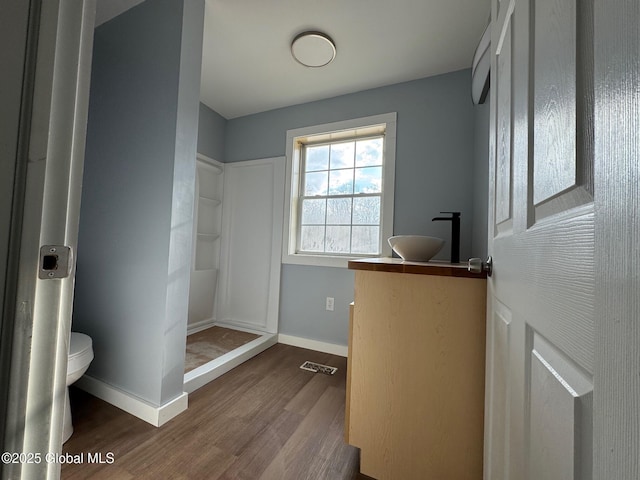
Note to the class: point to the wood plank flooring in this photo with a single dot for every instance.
(265, 420)
(209, 344)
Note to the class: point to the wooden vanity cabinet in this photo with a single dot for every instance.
(415, 379)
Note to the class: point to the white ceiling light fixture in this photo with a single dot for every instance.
(313, 49)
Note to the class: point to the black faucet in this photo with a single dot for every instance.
(455, 234)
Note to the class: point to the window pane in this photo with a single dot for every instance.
(342, 155)
(312, 239)
(317, 158)
(365, 240)
(368, 180)
(339, 211)
(341, 182)
(315, 184)
(338, 239)
(313, 212)
(366, 211)
(369, 152)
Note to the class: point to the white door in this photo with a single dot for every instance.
(57, 38)
(252, 216)
(563, 349)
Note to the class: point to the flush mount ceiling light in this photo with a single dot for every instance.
(313, 49)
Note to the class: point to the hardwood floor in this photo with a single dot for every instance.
(266, 419)
(209, 344)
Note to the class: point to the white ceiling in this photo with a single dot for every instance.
(247, 65)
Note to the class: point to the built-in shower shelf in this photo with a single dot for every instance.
(209, 236)
(215, 169)
(206, 232)
(212, 201)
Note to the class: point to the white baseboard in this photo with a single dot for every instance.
(324, 347)
(156, 416)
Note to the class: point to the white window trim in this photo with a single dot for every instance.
(289, 255)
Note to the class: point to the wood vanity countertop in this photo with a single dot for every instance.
(397, 265)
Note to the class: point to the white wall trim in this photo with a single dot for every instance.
(156, 416)
(324, 347)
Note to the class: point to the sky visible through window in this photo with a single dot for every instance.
(341, 197)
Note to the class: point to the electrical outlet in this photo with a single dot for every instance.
(330, 304)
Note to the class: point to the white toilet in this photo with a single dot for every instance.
(80, 356)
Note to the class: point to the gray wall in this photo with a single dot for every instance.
(211, 132)
(480, 181)
(136, 219)
(434, 172)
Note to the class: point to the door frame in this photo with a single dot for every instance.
(55, 98)
(18, 27)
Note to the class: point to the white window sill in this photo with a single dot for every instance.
(319, 260)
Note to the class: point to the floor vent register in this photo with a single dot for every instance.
(317, 368)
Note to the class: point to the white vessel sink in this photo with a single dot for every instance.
(416, 248)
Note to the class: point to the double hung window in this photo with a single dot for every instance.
(341, 192)
(340, 198)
